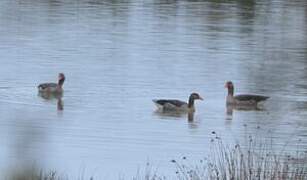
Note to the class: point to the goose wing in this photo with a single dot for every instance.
(251, 97)
(46, 85)
(169, 102)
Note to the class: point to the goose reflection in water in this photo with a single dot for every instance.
(52, 96)
(176, 114)
(231, 108)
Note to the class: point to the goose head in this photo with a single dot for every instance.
(192, 98)
(61, 79)
(195, 96)
(229, 85)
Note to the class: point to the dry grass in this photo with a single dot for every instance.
(256, 160)
(33, 174)
(148, 173)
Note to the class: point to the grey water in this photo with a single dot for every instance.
(119, 55)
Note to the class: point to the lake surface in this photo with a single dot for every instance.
(119, 55)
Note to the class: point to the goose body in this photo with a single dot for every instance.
(170, 104)
(177, 105)
(52, 87)
(242, 99)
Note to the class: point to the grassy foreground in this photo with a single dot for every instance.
(254, 160)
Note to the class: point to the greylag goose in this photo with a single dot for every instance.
(247, 100)
(53, 87)
(177, 105)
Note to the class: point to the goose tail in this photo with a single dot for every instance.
(159, 106)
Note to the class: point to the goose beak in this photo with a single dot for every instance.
(200, 98)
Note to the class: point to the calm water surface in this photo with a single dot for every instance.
(118, 55)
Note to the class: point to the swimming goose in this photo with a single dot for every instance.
(177, 105)
(242, 99)
(52, 87)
